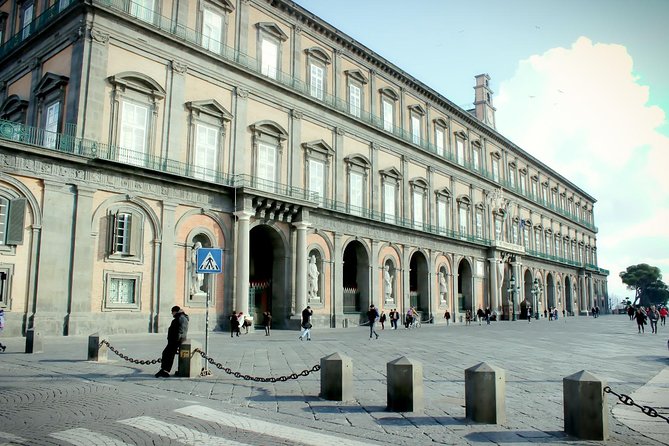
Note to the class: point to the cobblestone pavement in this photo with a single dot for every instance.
(59, 398)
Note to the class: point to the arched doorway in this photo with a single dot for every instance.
(465, 291)
(267, 276)
(550, 291)
(356, 281)
(528, 283)
(419, 283)
(568, 299)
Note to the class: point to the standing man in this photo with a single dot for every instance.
(372, 316)
(306, 323)
(176, 334)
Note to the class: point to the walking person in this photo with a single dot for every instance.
(396, 318)
(487, 315)
(372, 316)
(176, 334)
(306, 323)
(529, 314)
(382, 319)
(391, 316)
(2, 327)
(640, 319)
(479, 315)
(447, 316)
(663, 315)
(234, 324)
(267, 321)
(653, 316)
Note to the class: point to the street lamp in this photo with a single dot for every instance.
(512, 290)
(536, 292)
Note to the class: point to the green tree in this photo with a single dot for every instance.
(646, 281)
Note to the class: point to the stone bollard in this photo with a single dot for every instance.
(336, 378)
(405, 385)
(96, 352)
(190, 364)
(33, 341)
(485, 393)
(585, 411)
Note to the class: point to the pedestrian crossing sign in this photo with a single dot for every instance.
(209, 260)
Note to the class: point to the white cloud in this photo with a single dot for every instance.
(582, 111)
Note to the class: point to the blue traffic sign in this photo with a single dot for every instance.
(209, 260)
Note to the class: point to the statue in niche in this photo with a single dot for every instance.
(196, 280)
(443, 286)
(387, 284)
(312, 279)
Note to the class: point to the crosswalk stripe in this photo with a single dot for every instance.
(13, 439)
(178, 433)
(85, 437)
(263, 427)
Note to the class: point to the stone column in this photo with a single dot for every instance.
(337, 281)
(80, 318)
(581, 305)
(301, 266)
(494, 287)
(166, 280)
(242, 263)
(591, 292)
(240, 143)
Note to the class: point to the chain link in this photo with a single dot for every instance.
(127, 358)
(628, 401)
(261, 379)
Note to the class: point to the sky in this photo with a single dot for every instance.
(581, 85)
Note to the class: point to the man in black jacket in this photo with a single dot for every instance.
(176, 334)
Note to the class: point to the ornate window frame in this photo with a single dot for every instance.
(317, 57)
(319, 151)
(271, 134)
(388, 96)
(393, 178)
(416, 118)
(444, 196)
(222, 8)
(109, 277)
(357, 164)
(211, 114)
(355, 78)
(418, 188)
(274, 34)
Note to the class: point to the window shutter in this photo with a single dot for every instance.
(135, 245)
(16, 221)
(112, 219)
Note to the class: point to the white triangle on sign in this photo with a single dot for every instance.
(209, 264)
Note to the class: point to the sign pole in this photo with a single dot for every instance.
(206, 328)
(209, 261)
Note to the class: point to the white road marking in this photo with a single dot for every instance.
(178, 433)
(85, 437)
(13, 439)
(263, 427)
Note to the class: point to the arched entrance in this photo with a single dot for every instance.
(465, 291)
(509, 299)
(419, 283)
(550, 291)
(528, 283)
(356, 281)
(568, 299)
(267, 276)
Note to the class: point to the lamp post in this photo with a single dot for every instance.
(512, 290)
(536, 292)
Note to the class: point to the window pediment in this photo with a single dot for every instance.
(391, 172)
(441, 122)
(538, 228)
(416, 108)
(476, 143)
(13, 105)
(226, 5)
(460, 134)
(443, 192)
(389, 92)
(269, 128)
(210, 107)
(496, 155)
(418, 182)
(138, 82)
(464, 200)
(358, 160)
(318, 146)
(523, 171)
(356, 75)
(512, 164)
(318, 54)
(273, 30)
(49, 83)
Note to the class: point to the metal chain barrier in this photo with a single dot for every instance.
(127, 358)
(271, 379)
(628, 401)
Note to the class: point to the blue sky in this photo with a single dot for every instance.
(581, 85)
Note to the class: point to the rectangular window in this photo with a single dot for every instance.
(355, 193)
(557, 247)
(475, 159)
(544, 194)
(495, 170)
(4, 286)
(143, 10)
(4, 213)
(269, 58)
(460, 151)
(415, 129)
(388, 115)
(266, 166)
(212, 30)
(515, 234)
(523, 179)
(121, 292)
(479, 225)
(537, 241)
(206, 152)
(389, 201)
(27, 19)
(62, 4)
(463, 221)
(534, 189)
(316, 81)
(439, 135)
(442, 215)
(355, 100)
(512, 177)
(121, 238)
(51, 125)
(134, 132)
(418, 209)
(317, 178)
(526, 238)
(548, 244)
(498, 229)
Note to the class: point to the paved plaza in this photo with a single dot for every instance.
(58, 398)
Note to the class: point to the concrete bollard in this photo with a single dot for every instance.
(96, 352)
(190, 364)
(485, 393)
(585, 410)
(405, 385)
(336, 378)
(33, 341)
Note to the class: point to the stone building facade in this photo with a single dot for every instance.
(130, 131)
